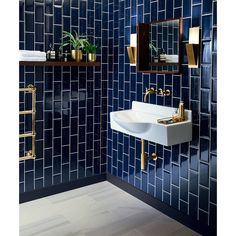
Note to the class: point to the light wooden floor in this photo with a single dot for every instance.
(97, 210)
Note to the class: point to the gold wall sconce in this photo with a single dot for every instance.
(193, 48)
(132, 50)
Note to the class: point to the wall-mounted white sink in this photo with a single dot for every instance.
(141, 122)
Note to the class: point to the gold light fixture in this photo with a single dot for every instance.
(132, 49)
(193, 48)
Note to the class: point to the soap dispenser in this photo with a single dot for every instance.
(179, 116)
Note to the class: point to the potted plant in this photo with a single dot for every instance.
(76, 42)
(154, 48)
(91, 49)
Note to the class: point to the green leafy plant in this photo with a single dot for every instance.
(74, 40)
(153, 47)
(90, 48)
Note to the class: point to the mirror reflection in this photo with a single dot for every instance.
(163, 47)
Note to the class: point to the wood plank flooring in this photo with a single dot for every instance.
(97, 210)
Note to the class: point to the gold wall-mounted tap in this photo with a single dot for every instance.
(160, 91)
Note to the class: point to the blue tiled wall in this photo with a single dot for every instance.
(73, 103)
(184, 176)
(71, 117)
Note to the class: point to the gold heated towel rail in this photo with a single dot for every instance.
(31, 153)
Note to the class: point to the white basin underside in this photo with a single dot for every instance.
(141, 122)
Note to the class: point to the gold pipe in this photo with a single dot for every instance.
(144, 156)
(31, 154)
(26, 112)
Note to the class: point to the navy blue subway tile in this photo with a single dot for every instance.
(206, 52)
(29, 22)
(193, 205)
(213, 191)
(184, 165)
(57, 146)
(196, 16)
(213, 169)
(203, 217)
(29, 5)
(169, 9)
(214, 91)
(207, 7)
(175, 174)
(193, 182)
(167, 159)
(161, 5)
(213, 140)
(204, 174)
(177, 3)
(166, 179)
(166, 198)
(184, 189)
(214, 65)
(39, 31)
(206, 26)
(195, 88)
(215, 13)
(175, 197)
(29, 41)
(203, 198)
(187, 8)
(205, 101)
(194, 159)
(57, 15)
(29, 181)
(205, 125)
(183, 207)
(204, 149)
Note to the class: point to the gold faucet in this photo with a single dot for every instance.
(162, 92)
(144, 156)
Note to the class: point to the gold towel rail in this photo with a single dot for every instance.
(25, 135)
(31, 153)
(26, 112)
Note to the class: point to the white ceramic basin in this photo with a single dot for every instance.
(141, 122)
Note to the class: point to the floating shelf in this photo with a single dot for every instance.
(58, 63)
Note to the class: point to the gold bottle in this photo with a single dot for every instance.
(181, 111)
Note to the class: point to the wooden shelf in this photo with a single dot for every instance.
(58, 63)
(163, 64)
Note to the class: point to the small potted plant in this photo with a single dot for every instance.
(91, 49)
(76, 42)
(154, 48)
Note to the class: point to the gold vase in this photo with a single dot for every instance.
(92, 57)
(77, 55)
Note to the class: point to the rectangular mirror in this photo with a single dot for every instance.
(159, 46)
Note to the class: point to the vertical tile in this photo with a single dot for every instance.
(204, 174)
(193, 182)
(203, 198)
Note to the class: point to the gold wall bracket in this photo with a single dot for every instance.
(31, 153)
(132, 55)
(193, 48)
(132, 50)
